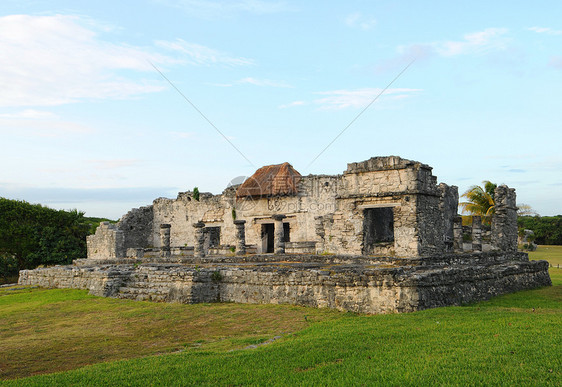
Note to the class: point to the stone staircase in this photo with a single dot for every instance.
(140, 287)
(161, 283)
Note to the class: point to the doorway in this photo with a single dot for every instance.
(378, 228)
(212, 237)
(267, 237)
(286, 232)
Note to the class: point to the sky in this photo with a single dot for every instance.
(107, 105)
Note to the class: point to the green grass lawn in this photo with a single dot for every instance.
(552, 254)
(510, 340)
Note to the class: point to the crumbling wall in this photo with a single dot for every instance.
(448, 206)
(102, 280)
(429, 225)
(504, 220)
(458, 285)
(137, 227)
(181, 213)
(343, 229)
(408, 188)
(107, 242)
(407, 243)
(315, 198)
(364, 286)
(328, 211)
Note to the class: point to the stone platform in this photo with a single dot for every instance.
(349, 283)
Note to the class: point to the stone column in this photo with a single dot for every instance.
(321, 232)
(279, 234)
(448, 206)
(165, 240)
(477, 234)
(504, 220)
(199, 249)
(457, 232)
(240, 237)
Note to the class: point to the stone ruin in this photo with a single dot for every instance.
(381, 237)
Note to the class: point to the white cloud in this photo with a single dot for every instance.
(30, 113)
(474, 43)
(254, 81)
(53, 60)
(201, 55)
(220, 9)
(30, 122)
(294, 103)
(405, 55)
(488, 40)
(61, 59)
(357, 20)
(182, 134)
(545, 30)
(263, 82)
(360, 98)
(42, 128)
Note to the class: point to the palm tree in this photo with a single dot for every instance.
(480, 201)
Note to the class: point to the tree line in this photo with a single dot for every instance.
(33, 235)
(547, 229)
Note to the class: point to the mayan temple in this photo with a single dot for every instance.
(381, 237)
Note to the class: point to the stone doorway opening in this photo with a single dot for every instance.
(267, 237)
(212, 237)
(378, 230)
(286, 232)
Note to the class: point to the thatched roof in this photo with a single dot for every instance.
(271, 180)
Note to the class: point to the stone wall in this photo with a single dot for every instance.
(137, 227)
(107, 242)
(504, 220)
(448, 207)
(429, 225)
(459, 285)
(181, 213)
(338, 214)
(352, 284)
(101, 280)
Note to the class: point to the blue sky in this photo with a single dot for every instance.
(87, 122)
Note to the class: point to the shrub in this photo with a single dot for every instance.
(8, 268)
(31, 234)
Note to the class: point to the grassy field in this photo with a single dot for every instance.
(552, 254)
(510, 340)
(61, 329)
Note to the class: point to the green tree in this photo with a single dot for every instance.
(547, 229)
(480, 201)
(32, 235)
